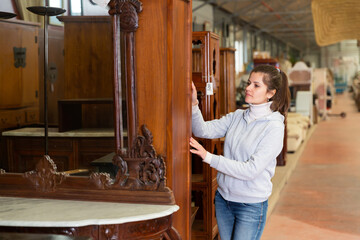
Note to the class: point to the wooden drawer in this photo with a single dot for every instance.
(9, 119)
(32, 116)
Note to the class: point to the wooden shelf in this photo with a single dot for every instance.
(71, 112)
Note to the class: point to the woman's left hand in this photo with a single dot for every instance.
(197, 148)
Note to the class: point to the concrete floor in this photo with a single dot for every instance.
(321, 198)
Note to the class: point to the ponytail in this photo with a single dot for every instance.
(283, 98)
(276, 79)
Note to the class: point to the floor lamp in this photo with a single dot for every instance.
(46, 12)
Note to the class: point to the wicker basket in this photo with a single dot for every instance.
(336, 20)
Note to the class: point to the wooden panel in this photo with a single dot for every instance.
(163, 93)
(179, 112)
(152, 75)
(88, 57)
(30, 73)
(10, 82)
(55, 86)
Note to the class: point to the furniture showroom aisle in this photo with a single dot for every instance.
(321, 199)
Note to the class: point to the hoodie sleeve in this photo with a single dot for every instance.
(266, 152)
(209, 129)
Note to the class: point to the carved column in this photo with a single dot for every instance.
(125, 19)
(139, 166)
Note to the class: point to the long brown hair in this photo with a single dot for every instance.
(276, 79)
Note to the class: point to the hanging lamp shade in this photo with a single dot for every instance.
(336, 20)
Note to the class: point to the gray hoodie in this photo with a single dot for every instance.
(250, 151)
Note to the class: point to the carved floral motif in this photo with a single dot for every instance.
(101, 180)
(44, 177)
(139, 169)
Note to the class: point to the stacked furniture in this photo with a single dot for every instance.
(300, 82)
(297, 128)
(324, 90)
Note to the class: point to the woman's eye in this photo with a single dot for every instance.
(257, 85)
(248, 83)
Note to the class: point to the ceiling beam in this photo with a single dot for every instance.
(247, 8)
(290, 30)
(261, 14)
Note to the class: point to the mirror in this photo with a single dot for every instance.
(80, 110)
(92, 69)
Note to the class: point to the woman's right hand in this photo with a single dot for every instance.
(194, 100)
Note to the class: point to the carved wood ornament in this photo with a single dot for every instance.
(141, 172)
(139, 167)
(45, 177)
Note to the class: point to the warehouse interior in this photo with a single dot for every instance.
(96, 115)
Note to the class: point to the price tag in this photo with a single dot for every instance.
(209, 89)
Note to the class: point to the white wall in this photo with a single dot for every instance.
(203, 15)
(94, 10)
(6, 6)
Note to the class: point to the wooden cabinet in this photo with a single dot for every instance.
(227, 81)
(205, 75)
(89, 70)
(88, 57)
(19, 74)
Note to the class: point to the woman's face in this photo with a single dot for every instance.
(256, 90)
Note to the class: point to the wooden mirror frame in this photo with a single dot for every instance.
(141, 174)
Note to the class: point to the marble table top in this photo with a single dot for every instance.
(31, 212)
(54, 132)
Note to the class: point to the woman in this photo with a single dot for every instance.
(253, 139)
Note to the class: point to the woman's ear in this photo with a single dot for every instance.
(270, 93)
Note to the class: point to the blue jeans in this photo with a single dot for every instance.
(240, 221)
